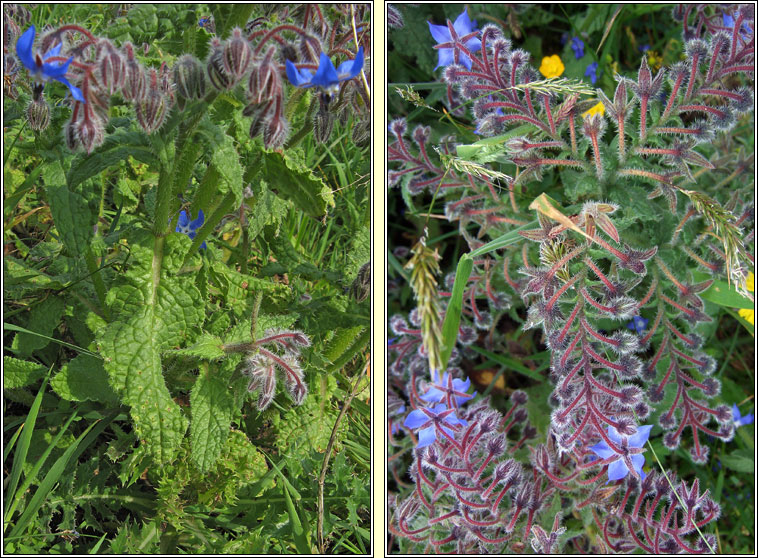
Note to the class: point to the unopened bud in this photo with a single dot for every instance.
(275, 132)
(38, 114)
(189, 78)
(323, 124)
(111, 67)
(216, 72)
(151, 110)
(237, 55)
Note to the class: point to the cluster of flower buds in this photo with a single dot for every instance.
(277, 350)
(98, 69)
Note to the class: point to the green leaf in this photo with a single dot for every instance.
(20, 279)
(740, 461)
(144, 326)
(116, 147)
(19, 373)
(722, 293)
(225, 159)
(44, 319)
(207, 347)
(454, 309)
(212, 411)
(73, 218)
(511, 363)
(293, 181)
(268, 209)
(84, 378)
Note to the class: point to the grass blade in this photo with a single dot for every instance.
(454, 308)
(23, 446)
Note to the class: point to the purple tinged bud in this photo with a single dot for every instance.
(398, 127)
(724, 414)
(496, 445)
(642, 410)
(467, 335)
(189, 77)
(111, 66)
(630, 395)
(453, 74)
(519, 397)
(237, 55)
(275, 133)
(627, 343)
(483, 320)
(135, 82)
(671, 440)
(151, 110)
(323, 124)
(711, 387)
(626, 426)
(421, 134)
(696, 47)
(699, 457)
(215, 67)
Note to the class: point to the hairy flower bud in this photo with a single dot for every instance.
(215, 66)
(189, 78)
(111, 66)
(275, 132)
(236, 55)
(38, 114)
(135, 81)
(151, 110)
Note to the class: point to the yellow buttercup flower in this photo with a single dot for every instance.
(749, 315)
(552, 66)
(597, 109)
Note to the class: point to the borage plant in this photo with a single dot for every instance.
(620, 227)
(177, 230)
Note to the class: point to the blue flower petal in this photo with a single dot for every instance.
(637, 462)
(351, 68)
(440, 33)
(183, 219)
(298, 78)
(55, 51)
(638, 440)
(463, 24)
(416, 419)
(76, 93)
(326, 75)
(426, 437)
(603, 450)
(24, 49)
(617, 470)
(197, 223)
(55, 70)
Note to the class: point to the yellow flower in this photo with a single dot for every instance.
(597, 109)
(654, 60)
(552, 66)
(749, 315)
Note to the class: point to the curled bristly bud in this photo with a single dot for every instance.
(111, 66)
(152, 110)
(38, 114)
(236, 55)
(135, 82)
(275, 132)
(189, 78)
(215, 67)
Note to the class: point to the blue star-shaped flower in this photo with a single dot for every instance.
(619, 468)
(591, 71)
(39, 67)
(441, 388)
(429, 419)
(578, 46)
(739, 420)
(327, 76)
(188, 227)
(465, 31)
(638, 324)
